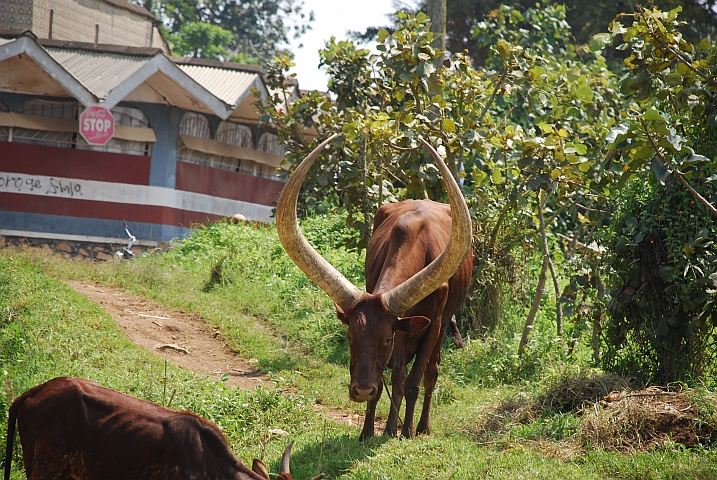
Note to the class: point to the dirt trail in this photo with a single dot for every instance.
(186, 341)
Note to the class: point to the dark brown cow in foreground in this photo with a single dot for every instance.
(418, 267)
(76, 429)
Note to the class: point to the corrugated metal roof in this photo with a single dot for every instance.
(102, 71)
(99, 72)
(230, 86)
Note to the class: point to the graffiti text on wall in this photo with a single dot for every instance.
(56, 187)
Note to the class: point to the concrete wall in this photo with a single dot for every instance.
(76, 20)
(91, 21)
(16, 14)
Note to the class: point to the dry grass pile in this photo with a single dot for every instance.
(649, 418)
(517, 409)
(569, 394)
(611, 415)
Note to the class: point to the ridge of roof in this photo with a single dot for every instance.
(100, 47)
(203, 62)
(16, 33)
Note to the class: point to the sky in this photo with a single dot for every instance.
(332, 18)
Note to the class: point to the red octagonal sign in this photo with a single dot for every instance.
(97, 125)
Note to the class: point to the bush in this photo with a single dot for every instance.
(664, 268)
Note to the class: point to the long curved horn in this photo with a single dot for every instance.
(321, 272)
(404, 296)
(285, 458)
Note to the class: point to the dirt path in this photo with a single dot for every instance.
(187, 342)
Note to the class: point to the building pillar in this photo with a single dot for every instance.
(165, 121)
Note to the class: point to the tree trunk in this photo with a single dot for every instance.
(597, 321)
(546, 254)
(534, 307)
(436, 9)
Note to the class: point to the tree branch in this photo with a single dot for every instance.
(533, 307)
(493, 95)
(546, 253)
(677, 173)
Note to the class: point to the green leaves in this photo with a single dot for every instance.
(600, 41)
(585, 94)
(660, 170)
(653, 115)
(546, 128)
(202, 40)
(670, 260)
(227, 30)
(449, 125)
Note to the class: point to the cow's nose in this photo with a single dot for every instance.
(362, 393)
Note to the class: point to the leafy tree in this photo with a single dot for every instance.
(562, 102)
(231, 29)
(664, 260)
(201, 40)
(584, 18)
(524, 134)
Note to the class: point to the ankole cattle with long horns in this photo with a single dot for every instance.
(75, 428)
(418, 268)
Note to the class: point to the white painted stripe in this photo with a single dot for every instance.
(93, 190)
(74, 238)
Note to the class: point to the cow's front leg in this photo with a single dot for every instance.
(412, 388)
(413, 381)
(430, 377)
(368, 424)
(398, 380)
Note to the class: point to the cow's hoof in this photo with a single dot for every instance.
(423, 429)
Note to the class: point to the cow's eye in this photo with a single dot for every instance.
(389, 341)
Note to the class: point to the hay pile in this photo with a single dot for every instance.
(571, 394)
(611, 415)
(644, 419)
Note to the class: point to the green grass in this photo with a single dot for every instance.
(239, 280)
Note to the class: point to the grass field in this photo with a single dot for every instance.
(495, 415)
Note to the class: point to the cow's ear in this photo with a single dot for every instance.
(342, 315)
(413, 325)
(259, 468)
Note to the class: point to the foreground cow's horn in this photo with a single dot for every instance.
(418, 287)
(285, 457)
(331, 281)
(321, 272)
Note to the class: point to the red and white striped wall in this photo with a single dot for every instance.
(86, 195)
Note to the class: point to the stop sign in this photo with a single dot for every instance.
(97, 125)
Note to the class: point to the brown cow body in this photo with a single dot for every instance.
(407, 237)
(418, 267)
(75, 428)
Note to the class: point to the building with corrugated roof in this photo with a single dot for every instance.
(187, 145)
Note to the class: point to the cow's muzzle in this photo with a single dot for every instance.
(362, 393)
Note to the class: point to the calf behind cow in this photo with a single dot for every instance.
(74, 428)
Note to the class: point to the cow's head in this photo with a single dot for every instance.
(372, 319)
(371, 333)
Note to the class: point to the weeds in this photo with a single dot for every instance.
(496, 415)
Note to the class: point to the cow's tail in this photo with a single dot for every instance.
(454, 332)
(11, 420)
